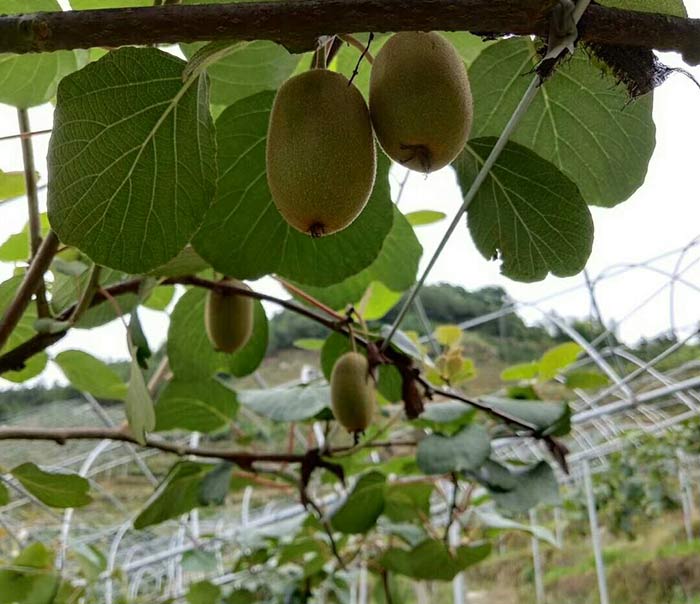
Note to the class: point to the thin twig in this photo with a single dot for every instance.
(329, 530)
(24, 135)
(363, 54)
(42, 306)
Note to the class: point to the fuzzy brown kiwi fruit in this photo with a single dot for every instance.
(228, 318)
(352, 392)
(321, 156)
(420, 100)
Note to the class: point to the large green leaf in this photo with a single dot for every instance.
(581, 120)
(29, 80)
(191, 354)
(89, 374)
(395, 267)
(203, 592)
(31, 578)
(55, 489)
(666, 7)
(131, 159)
(202, 405)
(526, 214)
(520, 490)
(408, 502)
(16, 246)
(21, 333)
(247, 70)
(432, 561)
(365, 503)
(244, 235)
(465, 451)
(178, 494)
(294, 404)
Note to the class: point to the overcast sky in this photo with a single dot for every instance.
(661, 216)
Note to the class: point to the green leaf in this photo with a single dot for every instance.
(187, 262)
(32, 578)
(465, 451)
(448, 335)
(581, 120)
(204, 592)
(89, 374)
(31, 79)
(424, 217)
(552, 418)
(91, 560)
(336, 345)
(160, 298)
(21, 333)
(191, 354)
(519, 491)
(377, 300)
(432, 561)
(665, 7)
(403, 342)
(497, 523)
(199, 561)
(244, 235)
(176, 495)
(138, 403)
(527, 213)
(586, 379)
(67, 288)
(246, 70)
(131, 159)
(216, 484)
(4, 495)
(523, 371)
(312, 344)
(395, 267)
(365, 503)
(446, 417)
(556, 359)
(12, 184)
(55, 489)
(408, 502)
(287, 404)
(469, 46)
(201, 405)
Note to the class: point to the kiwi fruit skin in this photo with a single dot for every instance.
(420, 100)
(228, 318)
(352, 392)
(321, 155)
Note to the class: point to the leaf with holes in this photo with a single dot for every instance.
(131, 159)
(244, 235)
(55, 489)
(581, 120)
(526, 214)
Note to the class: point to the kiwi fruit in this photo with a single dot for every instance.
(420, 100)
(228, 318)
(352, 392)
(321, 156)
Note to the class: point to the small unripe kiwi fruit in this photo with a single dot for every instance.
(228, 318)
(321, 156)
(352, 392)
(420, 100)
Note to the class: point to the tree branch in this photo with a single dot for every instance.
(297, 23)
(33, 279)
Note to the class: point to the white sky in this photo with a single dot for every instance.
(663, 215)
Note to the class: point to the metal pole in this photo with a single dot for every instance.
(595, 534)
(685, 497)
(362, 595)
(537, 561)
(558, 528)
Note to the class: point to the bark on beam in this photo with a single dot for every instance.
(297, 23)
